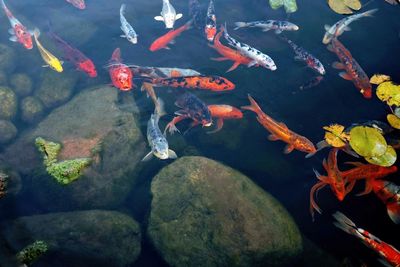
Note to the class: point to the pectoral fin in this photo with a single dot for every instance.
(266, 29)
(327, 27)
(178, 16)
(347, 29)
(122, 36)
(159, 18)
(172, 154)
(45, 66)
(345, 76)
(11, 31)
(148, 157)
(330, 48)
(338, 65)
(278, 31)
(220, 124)
(252, 63)
(219, 58)
(234, 66)
(272, 137)
(289, 148)
(13, 38)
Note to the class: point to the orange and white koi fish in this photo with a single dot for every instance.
(390, 255)
(210, 29)
(18, 32)
(120, 74)
(279, 131)
(168, 38)
(352, 70)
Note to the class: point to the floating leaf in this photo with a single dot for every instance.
(367, 141)
(290, 5)
(386, 160)
(389, 92)
(344, 6)
(335, 135)
(397, 112)
(379, 78)
(393, 120)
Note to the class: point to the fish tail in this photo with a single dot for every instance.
(253, 105)
(116, 55)
(344, 223)
(36, 33)
(122, 9)
(370, 13)
(159, 109)
(240, 24)
(393, 210)
(189, 24)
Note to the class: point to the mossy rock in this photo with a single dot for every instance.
(3, 78)
(7, 58)
(7, 131)
(31, 109)
(8, 103)
(21, 83)
(79, 238)
(206, 214)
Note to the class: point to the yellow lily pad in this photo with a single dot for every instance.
(379, 78)
(389, 92)
(367, 141)
(335, 135)
(344, 6)
(386, 160)
(353, 4)
(393, 120)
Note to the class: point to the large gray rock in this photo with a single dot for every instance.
(206, 214)
(8, 103)
(7, 58)
(80, 238)
(8, 131)
(90, 125)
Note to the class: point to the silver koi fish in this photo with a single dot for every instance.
(129, 32)
(266, 25)
(168, 15)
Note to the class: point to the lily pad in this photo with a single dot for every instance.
(379, 78)
(290, 5)
(344, 6)
(367, 141)
(386, 160)
(335, 135)
(389, 92)
(393, 120)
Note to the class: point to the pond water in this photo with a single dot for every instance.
(242, 144)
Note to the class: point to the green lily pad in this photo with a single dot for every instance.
(389, 92)
(386, 160)
(290, 5)
(367, 141)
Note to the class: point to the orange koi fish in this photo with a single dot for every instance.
(279, 131)
(352, 70)
(221, 112)
(229, 53)
(120, 74)
(389, 194)
(213, 83)
(390, 255)
(163, 41)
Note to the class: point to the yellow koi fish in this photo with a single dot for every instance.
(49, 58)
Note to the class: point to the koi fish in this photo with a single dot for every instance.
(120, 74)
(18, 32)
(210, 29)
(129, 32)
(267, 25)
(148, 87)
(157, 141)
(222, 112)
(303, 55)
(390, 255)
(77, 3)
(352, 70)
(49, 58)
(279, 131)
(258, 58)
(162, 72)
(389, 194)
(168, 15)
(75, 56)
(191, 108)
(195, 12)
(168, 38)
(213, 83)
(311, 83)
(343, 25)
(228, 53)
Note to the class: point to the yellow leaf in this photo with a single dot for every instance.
(353, 4)
(379, 78)
(344, 6)
(393, 120)
(389, 92)
(367, 141)
(335, 135)
(386, 160)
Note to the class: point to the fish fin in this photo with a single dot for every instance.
(266, 29)
(350, 186)
(327, 27)
(320, 177)
(330, 48)
(338, 65)
(252, 63)
(344, 223)
(289, 148)
(172, 154)
(148, 157)
(31, 32)
(178, 16)
(368, 188)
(172, 41)
(36, 32)
(239, 24)
(322, 144)
(325, 164)
(234, 66)
(253, 105)
(393, 210)
(345, 76)
(219, 58)
(220, 124)
(159, 18)
(297, 58)
(309, 155)
(369, 13)
(11, 31)
(272, 137)
(385, 263)
(167, 47)
(122, 36)
(45, 66)
(278, 31)
(159, 109)
(354, 163)
(13, 38)
(347, 29)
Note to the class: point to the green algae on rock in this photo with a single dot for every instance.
(7, 58)
(206, 214)
(31, 253)
(8, 103)
(50, 150)
(21, 83)
(8, 131)
(31, 109)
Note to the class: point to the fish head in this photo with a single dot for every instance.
(56, 65)
(132, 39)
(160, 148)
(339, 190)
(327, 38)
(320, 68)
(26, 40)
(227, 85)
(268, 63)
(88, 67)
(305, 145)
(169, 20)
(367, 91)
(122, 78)
(210, 32)
(79, 4)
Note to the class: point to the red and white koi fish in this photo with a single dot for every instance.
(389, 193)
(18, 32)
(390, 255)
(168, 38)
(77, 3)
(211, 22)
(120, 74)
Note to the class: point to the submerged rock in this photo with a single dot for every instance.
(3, 78)
(7, 58)
(31, 109)
(7, 131)
(81, 238)
(206, 214)
(90, 125)
(21, 83)
(8, 103)
(32, 252)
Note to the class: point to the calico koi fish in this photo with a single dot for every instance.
(168, 38)
(228, 53)
(168, 15)
(267, 25)
(213, 83)
(303, 55)
(343, 25)
(129, 32)
(389, 193)
(210, 29)
(162, 72)
(77, 3)
(48, 57)
(258, 58)
(120, 74)
(18, 32)
(279, 131)
(390, 255)
(76, 57)
(352, 70)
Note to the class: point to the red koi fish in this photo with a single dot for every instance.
(390, 255)
(75, 56)
(229, 53)
(389, 194)
(18, 31)
(163, 41)
(279, 131)
(352, 70)
(212, 83)
(211, 22)
(121, 74)
(77, 3)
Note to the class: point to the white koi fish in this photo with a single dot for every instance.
(129, 32)
(168, 15)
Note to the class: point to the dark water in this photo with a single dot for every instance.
(374, 42)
